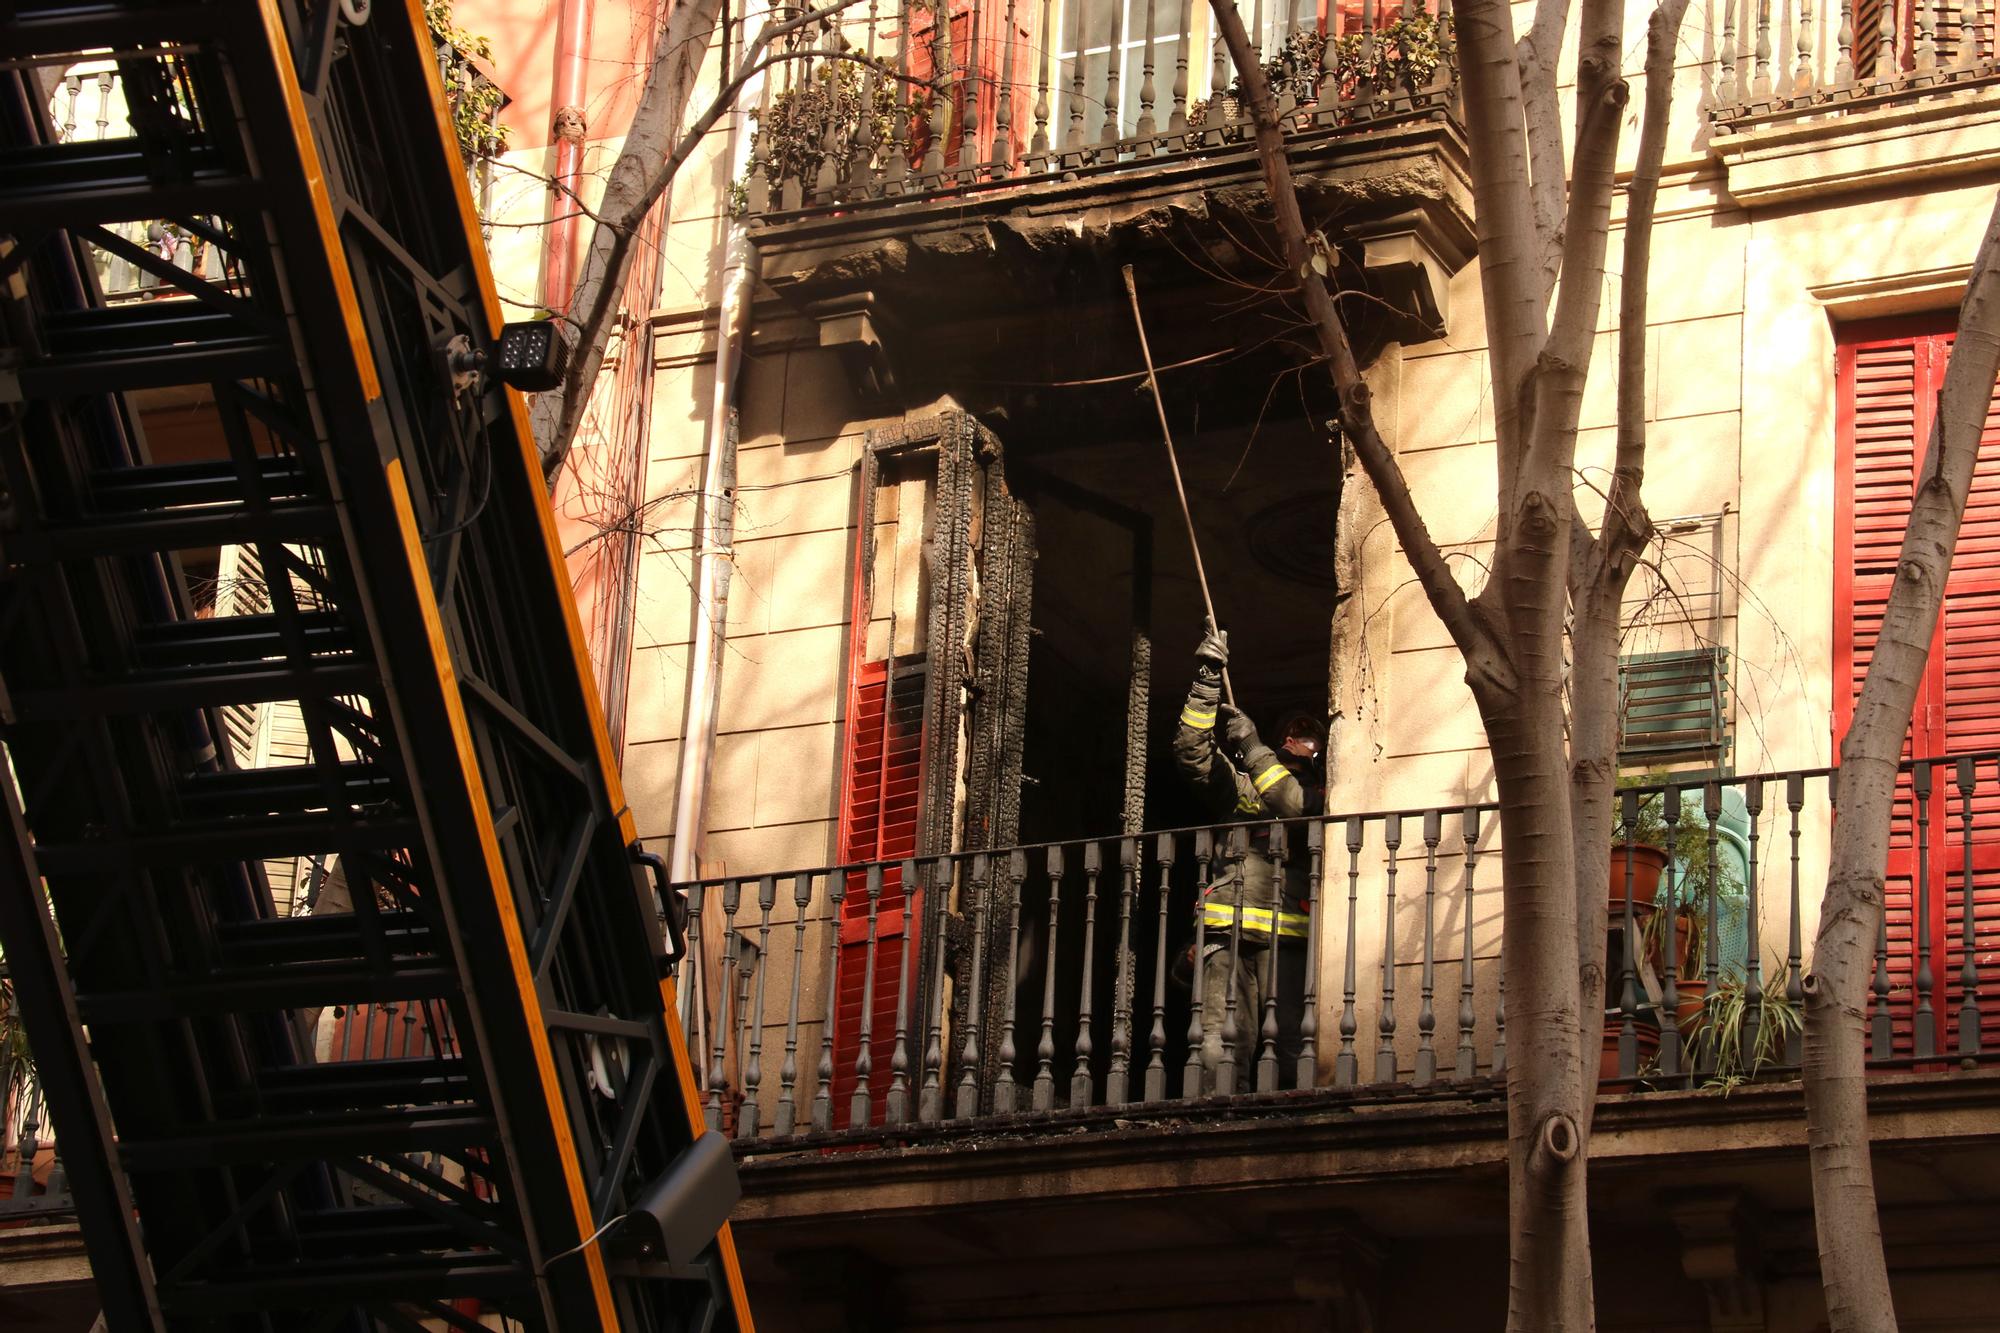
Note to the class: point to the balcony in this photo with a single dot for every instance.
(917, 236)
(1807, 58)
(1013, 1049)
(980, 1035)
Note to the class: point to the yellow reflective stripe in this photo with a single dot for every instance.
(1293, 924)
(1269, 778)
(1200, 721)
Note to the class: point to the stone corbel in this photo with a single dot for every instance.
(854, 325)
(1409, 264)
(1719, 1250)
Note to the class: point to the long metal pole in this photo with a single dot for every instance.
(1174, 466)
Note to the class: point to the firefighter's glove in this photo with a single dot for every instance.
(1212, 655)
(1239, 733)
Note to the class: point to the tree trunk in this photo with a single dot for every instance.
(654, 148)
(1852, 1270)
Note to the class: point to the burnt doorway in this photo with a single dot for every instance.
(1116, 614)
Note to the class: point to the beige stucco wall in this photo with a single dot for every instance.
(1746, 300)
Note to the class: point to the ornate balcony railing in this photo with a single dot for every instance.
(1000, 989)
(1009, 92)
(1799, 58)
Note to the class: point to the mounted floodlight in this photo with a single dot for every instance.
(680, 1213)
(531, 355)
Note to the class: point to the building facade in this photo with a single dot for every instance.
(894, 628)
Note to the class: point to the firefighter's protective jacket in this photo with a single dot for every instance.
(1261, 787)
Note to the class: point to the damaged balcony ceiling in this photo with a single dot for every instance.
(990, 295)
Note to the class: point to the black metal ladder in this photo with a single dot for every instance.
(477, 919)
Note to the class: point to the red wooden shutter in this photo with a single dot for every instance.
(1889, 378)
(878, 820)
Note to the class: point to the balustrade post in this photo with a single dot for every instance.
(1628, 991)
(753, 1063)
(1670, 1028)
(1156, 1060)
(1079, 1078)
(896, 171)
(685, 993)
(1109, 134)
(1969, 1019)
(861, 146)
(1346, 1072)
(1045, 1050)
(1192, 1076)
(1218, 83)
(1307, 1075)
(1147, 126)
(1385, 1052)
(1468, 1059)
(1326, 84)
(930, 1098)
(940, 93)
(1923, 54)
(860, 1105)
(968, 1055)
(1885, 44)
(1753, 962)
(1003, 121)
(1045, 46)
(1925, 1018)
(1117, 1082)
(1727, 91)
(718, 1072)
(1177, 120)
(1426, 1014)
(784, 1120)
(968, 82)
(1762, 87)
(1004, 1085)
(1073, 142)
(822, 1105)
(1364, 88)
(898, 1109)
(1712, 969)
(1795, 990)
(1843, 67)
(1802, 76)
(1267, 1046)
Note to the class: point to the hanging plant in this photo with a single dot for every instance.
(473, 99)
(1408, 47)
(830, 110)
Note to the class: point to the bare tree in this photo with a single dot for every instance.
(1852, 1269)
(1555, 588)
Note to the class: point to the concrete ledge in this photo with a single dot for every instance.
(1841, 153)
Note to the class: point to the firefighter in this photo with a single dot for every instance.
(1237, 777)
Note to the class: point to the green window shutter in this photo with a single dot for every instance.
(1673, 707)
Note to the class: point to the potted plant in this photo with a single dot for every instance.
(1739, 1051)
(1705, 876)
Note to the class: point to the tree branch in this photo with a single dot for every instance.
(1510, 268)
(644, 168)
(1485, 658)
(1535, 55)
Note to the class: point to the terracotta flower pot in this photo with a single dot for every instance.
(1647, 1036)
(1647, 864)
(1689, 993)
